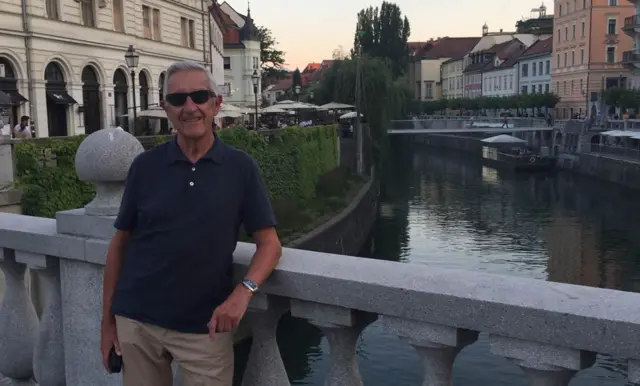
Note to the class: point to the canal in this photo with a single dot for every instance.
(446, 210)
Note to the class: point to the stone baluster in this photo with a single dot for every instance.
(265, 366)
(437, 345)
(18, 322)
(543, 364)
(342, 327)
(48, 356)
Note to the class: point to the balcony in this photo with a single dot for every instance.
(631, 25)
(631, 59)
(550, 330)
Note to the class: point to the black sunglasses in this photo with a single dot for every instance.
(198, 97)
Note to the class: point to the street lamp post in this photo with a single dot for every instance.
(132, 57)
(255, 78)
(297, 91)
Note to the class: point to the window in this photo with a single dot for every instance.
(88, 15)
(187, 33)
(584, 4)
(566, 33)
(565, 59)
(540, 88)
(558, 61)
(256, 62)
(548, 67)
(558, 87)
(52, 9)
(573, 58)
(559, 35)
(573, 32)
(146, 22)
(611, 54)
(582, 56)
(546, 87)
(581, 84)
(611, 27)
(533, 69)
(511, 82)
(226, 62)
(525, 70)
(572, 87)
(560, 10)
(613, 3)
(428, 90)
(582, 27)
(118, 15)
(504, 82)
(524, 89)
(564, 86)
(156, 24)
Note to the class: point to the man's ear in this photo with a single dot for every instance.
(219, 100)
(163, 104)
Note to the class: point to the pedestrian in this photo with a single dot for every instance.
(168, 291)
(22, 129)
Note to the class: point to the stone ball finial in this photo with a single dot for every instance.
(104, 159)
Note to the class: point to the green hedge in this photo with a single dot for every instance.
(292, 161)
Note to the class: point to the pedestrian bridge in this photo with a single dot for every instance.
(551, 331)
(467, 125)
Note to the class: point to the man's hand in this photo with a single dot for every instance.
(228, 315)
(108, 339)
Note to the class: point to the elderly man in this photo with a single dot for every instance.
(168, 291)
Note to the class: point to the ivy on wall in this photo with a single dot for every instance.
(292, 161)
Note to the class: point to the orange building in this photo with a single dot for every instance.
(587, 53)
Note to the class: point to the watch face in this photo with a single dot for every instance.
(251, 285)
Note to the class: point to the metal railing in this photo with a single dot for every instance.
(617, 151)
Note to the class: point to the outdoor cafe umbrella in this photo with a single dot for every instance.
(273, 110)
(336, 106)
(349, 115)
(229, 107)
(153, 112)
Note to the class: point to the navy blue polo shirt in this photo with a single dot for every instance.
(184, 220)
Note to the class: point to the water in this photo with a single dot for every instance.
(449, 211)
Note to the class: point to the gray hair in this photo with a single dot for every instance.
(187, 65)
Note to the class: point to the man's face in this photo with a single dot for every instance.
(190, 104)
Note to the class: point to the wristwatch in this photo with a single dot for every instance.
(250, 285)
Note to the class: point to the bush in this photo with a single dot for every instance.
(292, 161)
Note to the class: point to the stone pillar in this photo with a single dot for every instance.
(103, 158)
(18, 322)
(437, 345)
(342, 327)
(543, 364)
(265, 366)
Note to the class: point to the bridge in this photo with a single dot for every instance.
(467, 125)
(550, 330)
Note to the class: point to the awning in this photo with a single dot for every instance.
(15, 97)
(61, 97)
(5, 100)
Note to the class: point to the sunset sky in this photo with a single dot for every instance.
(309, 31)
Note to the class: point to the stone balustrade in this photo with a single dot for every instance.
(550, 330)
(440, 122)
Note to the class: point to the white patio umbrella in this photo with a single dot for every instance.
(336, 106)
(503, 138)
(349, 115)
(295, 106)
(284, 102)
(229, 114)
(153, 112)
(272, 110)
(229, 107)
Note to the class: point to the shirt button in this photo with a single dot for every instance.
(191, 183)
(193, 169)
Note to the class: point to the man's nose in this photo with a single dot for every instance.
(190, 104)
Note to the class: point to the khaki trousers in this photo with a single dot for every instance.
(147, 353)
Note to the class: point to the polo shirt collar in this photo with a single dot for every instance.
(215, 153)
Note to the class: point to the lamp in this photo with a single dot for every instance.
(255, 78)
(297, 91)
(132, 58)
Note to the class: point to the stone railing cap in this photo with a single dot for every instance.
(106, 155)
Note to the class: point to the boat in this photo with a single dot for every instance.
(506, 151)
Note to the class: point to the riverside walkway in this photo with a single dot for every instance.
(448, 125)
(551, 330)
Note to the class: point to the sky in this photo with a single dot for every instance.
(309, 31)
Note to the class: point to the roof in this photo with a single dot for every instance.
(283, 84)
(500, 50)
(312, 67)
(448, 47)
(541, 47)
(414, 47)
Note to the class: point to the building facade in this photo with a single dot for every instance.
(68, 71)
(631, 58)
(453, 78)
(425, 66)
(241, 59)
(490, 60)
(588, 51)
(534, 68)
(219, 23)
(500, 78)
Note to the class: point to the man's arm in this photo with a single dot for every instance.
(266, 257)
(115, 256)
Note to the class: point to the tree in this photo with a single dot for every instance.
(271, 58)
(338, 53)
(297, 80)
(384, 33)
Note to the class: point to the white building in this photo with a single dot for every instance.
(219, 23)
(500, 79)
(453, 78)
(69, 72)
(534, 68)
(241, 58)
